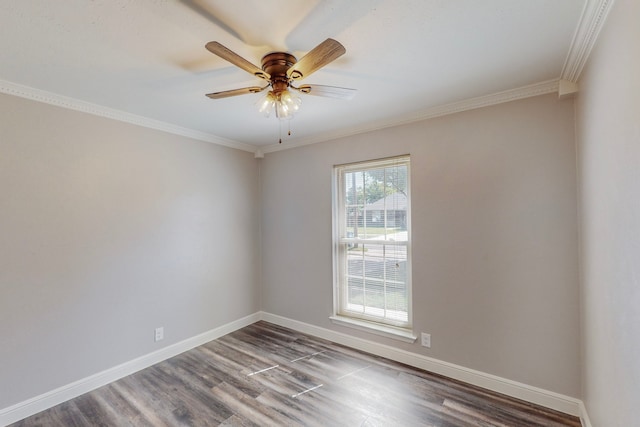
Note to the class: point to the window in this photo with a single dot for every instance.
(372, 249)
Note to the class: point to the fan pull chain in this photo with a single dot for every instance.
(288, 130)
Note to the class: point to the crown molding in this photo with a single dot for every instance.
(536, 89)
(591, 22)
(589, 26)
(542, 88)
(39, 95)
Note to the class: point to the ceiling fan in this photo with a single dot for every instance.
(281, 69)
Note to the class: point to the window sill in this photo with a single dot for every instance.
(376, 329)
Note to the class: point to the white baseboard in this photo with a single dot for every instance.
(584, 417)
(511, 388)
(548, 399)
(62, 394)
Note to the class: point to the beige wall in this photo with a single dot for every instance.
(494, 237)
(107, 231)
(608, 124)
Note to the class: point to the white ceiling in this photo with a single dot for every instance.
(146, 58)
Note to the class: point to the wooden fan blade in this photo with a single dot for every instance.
(321, 55)
(235, 92)
(328, 91)
(228, 55)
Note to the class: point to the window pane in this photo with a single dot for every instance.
(355, 290)
(354, 203)
(374, 297)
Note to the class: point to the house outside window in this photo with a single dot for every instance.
(372, 251)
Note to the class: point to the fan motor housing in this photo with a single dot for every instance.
(277, 64)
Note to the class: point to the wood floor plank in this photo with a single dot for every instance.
(117, 406)
(266, 375)
(249, 409)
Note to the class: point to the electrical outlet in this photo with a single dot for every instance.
(425, 340)
(159, 334)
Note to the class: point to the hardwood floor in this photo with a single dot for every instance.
(265, 375)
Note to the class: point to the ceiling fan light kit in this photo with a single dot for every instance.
(284, 103)
(280, 69)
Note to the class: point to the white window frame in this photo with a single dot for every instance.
(370, 323)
